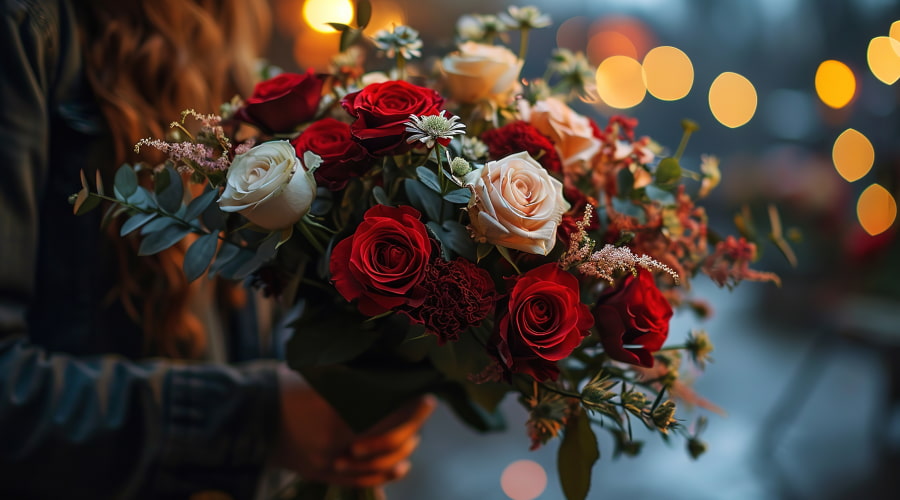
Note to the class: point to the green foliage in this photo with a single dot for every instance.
(576, 457)
(668, 173)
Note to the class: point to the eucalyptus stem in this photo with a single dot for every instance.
(401, 66)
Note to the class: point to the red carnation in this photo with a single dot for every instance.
(283, 102)
(541, 322)
(342, 157)
(634, 314)
(522, 136)
(381, 111)
(459, 295)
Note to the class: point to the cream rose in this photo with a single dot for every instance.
(515, 204)
(270, 186)
(570, 132)
(478, 72)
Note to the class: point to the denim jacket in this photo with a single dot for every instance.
(81, 415)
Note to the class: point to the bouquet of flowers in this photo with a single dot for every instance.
(462, 231)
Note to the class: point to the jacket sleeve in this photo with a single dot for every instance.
(99, 427)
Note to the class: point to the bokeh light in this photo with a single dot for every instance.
(618, 36)
(620, 82)
(668, 73)
(523, 480)
(318, 13)
(385, 15)
(325, 44)
(876, 209)
(895, 30)
(853, 155)
(732, 99)
(572, 34)
(883, 56)
(835, 83)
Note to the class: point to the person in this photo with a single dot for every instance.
(118, 379)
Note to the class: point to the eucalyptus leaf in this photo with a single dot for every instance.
(423, 198)
(125, 181)
(339, 26)
(227, 252)
(626, 207)
(136, 221)
(659, 195)
(381, 196)
(348, 38)
(199, 255)
(85, 201)
(363, 13)
(239, 266)
(454, 238)
(160, 240)
(157, 224)
(199, 204)
(213, 218)
(428, 178)
(576, 457)
(460, 196)
(171, 196)
(624, 183)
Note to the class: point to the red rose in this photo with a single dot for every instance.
(282, 103)
(459, 294)
(383, 262)
(342, 157)
(634, 314)
(521, 136)
(541, 322)
(381, 109)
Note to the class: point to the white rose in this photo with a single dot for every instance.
(478, 72)
(515, 204)
(270, 186)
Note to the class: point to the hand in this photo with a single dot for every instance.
(317, 444)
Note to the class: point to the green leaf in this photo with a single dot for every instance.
(626, 207)
(125, 181)
(624, 183)
(339, 26)
(328, 336)
(381, 196)
(348, 38)
(365, 394)
(237, 266)
(158, 225)
(483, 250)
(662, 196)
(227, 252)
(668, 172)
(160, 240)
(423, 198)
(213, 218)
(199, 255)
(99, 180)
(85, 201)
(363, 13)
(460, 196)
(577, 454)
(135, 222)
(454, 238)
(171, 194)
(428, 178)
(199, 204)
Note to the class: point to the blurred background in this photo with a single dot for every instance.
(798, 100)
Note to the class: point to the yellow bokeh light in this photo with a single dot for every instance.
(853, 155)
(883, 56)
(732, 99)
(318, 13)
(835, 83)
(668, 73)
(523, 480)
(876, 209)
(895, 30)
(385, 16)
(620, 82)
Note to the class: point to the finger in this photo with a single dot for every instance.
(370, 480)
(377, 463)
(378, 442)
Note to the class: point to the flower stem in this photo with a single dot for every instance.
(523, 44)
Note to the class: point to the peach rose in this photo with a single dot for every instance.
(570, 132)
(515, 204)
(478, 72)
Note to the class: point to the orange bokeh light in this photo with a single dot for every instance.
(835, 83)
(732, 99)
(618, 36)
(668, 73)
(883, 56)
(620, 82)
(523, 480)
(853, 155)
(876, 209)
